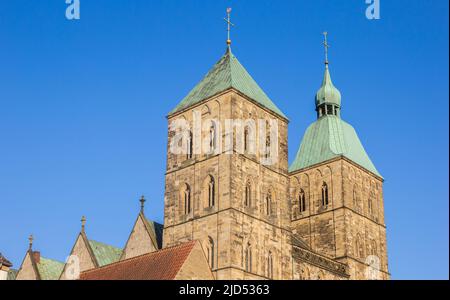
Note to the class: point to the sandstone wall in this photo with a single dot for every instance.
(351, 228)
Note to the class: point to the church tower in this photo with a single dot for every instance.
(337, 193)
(229, 187)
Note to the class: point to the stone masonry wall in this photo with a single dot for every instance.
(139, 241)
(351, 228)
(26, 271)
(232, 226)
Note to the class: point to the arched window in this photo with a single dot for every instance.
(301, 201)
(325, 194)
(248, 258)
(370, 204)
(355, 198)
(246, 141)
(270, 265)
(329, 109)
(267, 155)
(248, 195)
(211, 192)
(359, 247)
(210, 250)
(189, 150)
(212, 139)
(374, 247)
(187, 199)
(268, 203)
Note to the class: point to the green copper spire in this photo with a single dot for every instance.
(330, 137)
(328, 93)
(328, 97)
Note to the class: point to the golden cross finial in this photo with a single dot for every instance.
(142, 200)
(229, 24)
(326, 45)
(30, 239)
(83, 223)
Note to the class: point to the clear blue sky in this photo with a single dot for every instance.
(83, 106)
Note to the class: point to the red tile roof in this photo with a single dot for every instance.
(160, 265)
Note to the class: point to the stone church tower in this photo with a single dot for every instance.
(228, 185)
(229, 199)
(336, 191)
(233, 209)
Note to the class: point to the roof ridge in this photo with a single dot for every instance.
(95, 241)
(51, 259)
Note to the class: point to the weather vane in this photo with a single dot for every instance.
(229, 24)
(326, 45)
(30, 239)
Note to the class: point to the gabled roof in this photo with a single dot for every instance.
(327, 138)
(105, 254)
(155, 231)
(159, 265)
(227, 73)
(4, 261)
(49, 269)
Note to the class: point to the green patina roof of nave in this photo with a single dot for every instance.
(105, 254)
(12, 273)
(49, 269)
(327, 138)
(227, 73)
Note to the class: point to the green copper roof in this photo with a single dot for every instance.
(227, 73)
(105, 254)
(12, 273)
(328, 93)
(327, 138)
(49, 269)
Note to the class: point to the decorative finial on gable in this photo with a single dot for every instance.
(229, 24)
(142, 200)
(30, 239)
(326, 45)
(83, 223)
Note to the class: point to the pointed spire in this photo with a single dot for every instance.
(142, 200)
(30, 240)
(83, 223)
(328, 97)
(229, 24)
